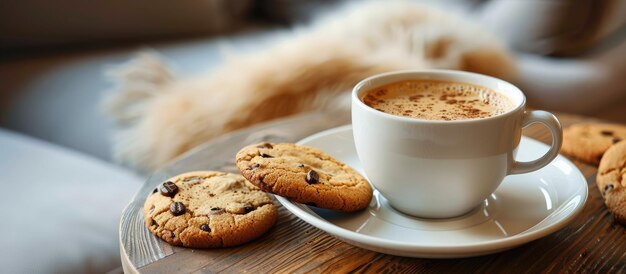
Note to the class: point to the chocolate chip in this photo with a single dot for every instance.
(265, 155)
(248, 207)
(608, 188)
(155, 190)
(606, 133)
(154, 222)
(300, 165)
(216, 211)
(205, 227)
(211, 195)
(168, 189)
(257, 165)
(266, 145)
(177, 208)
(616, 140)
(312, 177)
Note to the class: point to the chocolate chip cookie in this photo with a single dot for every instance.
(588, 142)
(304, 175)
(611, 180)
(208, 209)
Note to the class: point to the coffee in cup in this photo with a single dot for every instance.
(437, 100)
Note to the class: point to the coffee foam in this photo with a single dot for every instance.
(437, 100)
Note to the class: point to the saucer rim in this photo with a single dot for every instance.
(479, 247)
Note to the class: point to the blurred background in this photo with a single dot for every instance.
(572, 53)
(53, 54)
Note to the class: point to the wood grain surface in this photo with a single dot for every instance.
(592, 242)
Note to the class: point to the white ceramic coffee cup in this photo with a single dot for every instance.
(442, 169)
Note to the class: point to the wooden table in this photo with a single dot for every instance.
(593, 242)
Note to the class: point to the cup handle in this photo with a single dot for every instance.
(553, 124)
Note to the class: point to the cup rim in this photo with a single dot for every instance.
(357, 88)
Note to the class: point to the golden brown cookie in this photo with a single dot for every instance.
(611, 180)
(588, 142)
(208, 209)
(304, 175)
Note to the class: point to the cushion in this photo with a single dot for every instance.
(60, 208)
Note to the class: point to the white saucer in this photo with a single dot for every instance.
(524, 208)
